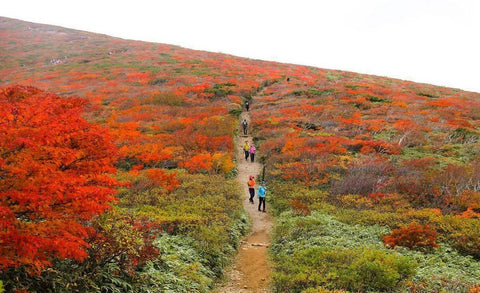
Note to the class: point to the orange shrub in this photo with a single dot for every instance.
(412, 236)
(299, 208)
(198, 163)
(160, 178)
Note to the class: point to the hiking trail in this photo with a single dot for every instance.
(251, 270)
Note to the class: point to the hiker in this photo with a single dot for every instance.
(251, 188)
(262, 192)
(244, 125)
(251, 150)
(247, 106)
(246, 149)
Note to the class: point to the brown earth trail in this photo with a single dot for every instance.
(251, 271)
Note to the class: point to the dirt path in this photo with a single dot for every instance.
(251, 271)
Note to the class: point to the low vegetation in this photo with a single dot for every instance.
(374, 182)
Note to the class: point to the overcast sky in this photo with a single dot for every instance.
(431, 41)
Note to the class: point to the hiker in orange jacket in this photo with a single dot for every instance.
(251, 187)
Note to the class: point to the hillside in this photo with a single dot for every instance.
(374, 182)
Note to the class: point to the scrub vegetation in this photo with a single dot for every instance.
(117, 170)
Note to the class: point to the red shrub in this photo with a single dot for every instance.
(412, 236)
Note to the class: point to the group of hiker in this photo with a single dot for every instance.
(249, 150)
(261, 193)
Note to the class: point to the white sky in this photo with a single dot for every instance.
(431, 41)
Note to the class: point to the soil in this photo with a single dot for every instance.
(251, 270)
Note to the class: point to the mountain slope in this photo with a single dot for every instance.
(355, 163)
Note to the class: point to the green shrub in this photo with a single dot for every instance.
(429, 95)
(364, 269)
(320, 92)
(375, 99)
(236, 112)
(180, 267)
(442, 270)
(221, 89)
(372, 217)
(464, 235)
(281, 196)
(377, 270)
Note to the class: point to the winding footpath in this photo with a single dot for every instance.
(251, 271)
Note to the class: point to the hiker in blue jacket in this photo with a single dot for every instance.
(262, 192)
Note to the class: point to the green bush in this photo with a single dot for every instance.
(372, 217)
(221, 89)
(281, 196)
(464, 235)
(377, 270)
(443, 270)
(180, 267)
(364, 269)
(235, 112)
(375, 99)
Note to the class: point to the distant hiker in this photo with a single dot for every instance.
(246, 149)
(251, 150)
(288, 79)
(244, 125)
(251, 188)
(262, 192)
(247, 106)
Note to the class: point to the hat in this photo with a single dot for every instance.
(263, 182)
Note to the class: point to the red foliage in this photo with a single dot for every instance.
(311, 174)
(299, 208)
(376, 196)
(469, 213)
(412, 236)
(198, 163)
(54, 169)
(160, 178)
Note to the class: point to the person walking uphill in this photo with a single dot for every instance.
(246, 149)
(262, 192)
(251, 188)
(252, 152)
(244, 125)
